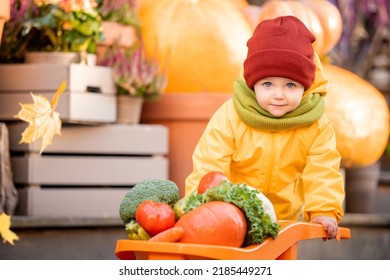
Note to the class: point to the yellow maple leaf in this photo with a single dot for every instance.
(5, 232)
(44, 121)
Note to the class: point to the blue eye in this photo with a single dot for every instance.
(267, 84)
(290, 85)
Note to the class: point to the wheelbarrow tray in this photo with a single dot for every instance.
(284, 246)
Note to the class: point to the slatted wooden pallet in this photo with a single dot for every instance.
(88, 169)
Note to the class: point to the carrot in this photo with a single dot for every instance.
(172, 234)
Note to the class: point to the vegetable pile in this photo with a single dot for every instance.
(259, 223)
(223, 214)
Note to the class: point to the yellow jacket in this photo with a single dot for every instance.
(297, 169)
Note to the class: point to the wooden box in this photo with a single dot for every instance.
(70, 202)
(90, 96)
(88, 169)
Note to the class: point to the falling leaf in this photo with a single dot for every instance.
(44, 121)
(5, 232)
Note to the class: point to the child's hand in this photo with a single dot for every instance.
(329, 223)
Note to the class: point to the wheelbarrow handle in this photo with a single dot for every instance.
(304, 230)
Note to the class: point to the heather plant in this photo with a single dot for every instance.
(134, 73)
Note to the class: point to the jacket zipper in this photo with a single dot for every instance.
(271, 165)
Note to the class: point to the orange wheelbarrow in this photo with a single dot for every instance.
(284, 247)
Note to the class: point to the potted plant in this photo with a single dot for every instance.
(55, 26)
(136, 77)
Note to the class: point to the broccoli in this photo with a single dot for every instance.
(259, 223)
(154, 189)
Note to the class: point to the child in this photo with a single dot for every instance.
(273, 134)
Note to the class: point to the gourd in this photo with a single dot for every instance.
(359, 115)
(200, 43)
(215, 223)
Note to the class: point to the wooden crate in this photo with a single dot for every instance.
(33, 169)
(88, 169)
(90, 96)
(98, 139)
(70, 202)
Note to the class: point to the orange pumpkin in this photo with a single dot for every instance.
(331, 22)
(214, 223)
(201, 43)
(239, 3)
(4, 15)
(359, 115)
(275, 8)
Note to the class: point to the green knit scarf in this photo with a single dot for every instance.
(309, 110)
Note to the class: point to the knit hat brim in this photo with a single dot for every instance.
(279, 63)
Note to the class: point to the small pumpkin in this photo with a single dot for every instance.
(331, 22)
(201, 44)
(214, 223)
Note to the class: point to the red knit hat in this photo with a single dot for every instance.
(280, 47)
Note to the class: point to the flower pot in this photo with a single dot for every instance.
(186, 116)
(361, 187)
(129, 109)
(60, 58)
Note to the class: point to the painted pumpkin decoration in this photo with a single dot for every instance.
(201, 43)
(359, 115)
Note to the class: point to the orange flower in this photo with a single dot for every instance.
(67, 25)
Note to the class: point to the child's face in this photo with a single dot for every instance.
(278, 95)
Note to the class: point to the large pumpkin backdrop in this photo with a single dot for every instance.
(360, 116)
(202, 43)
